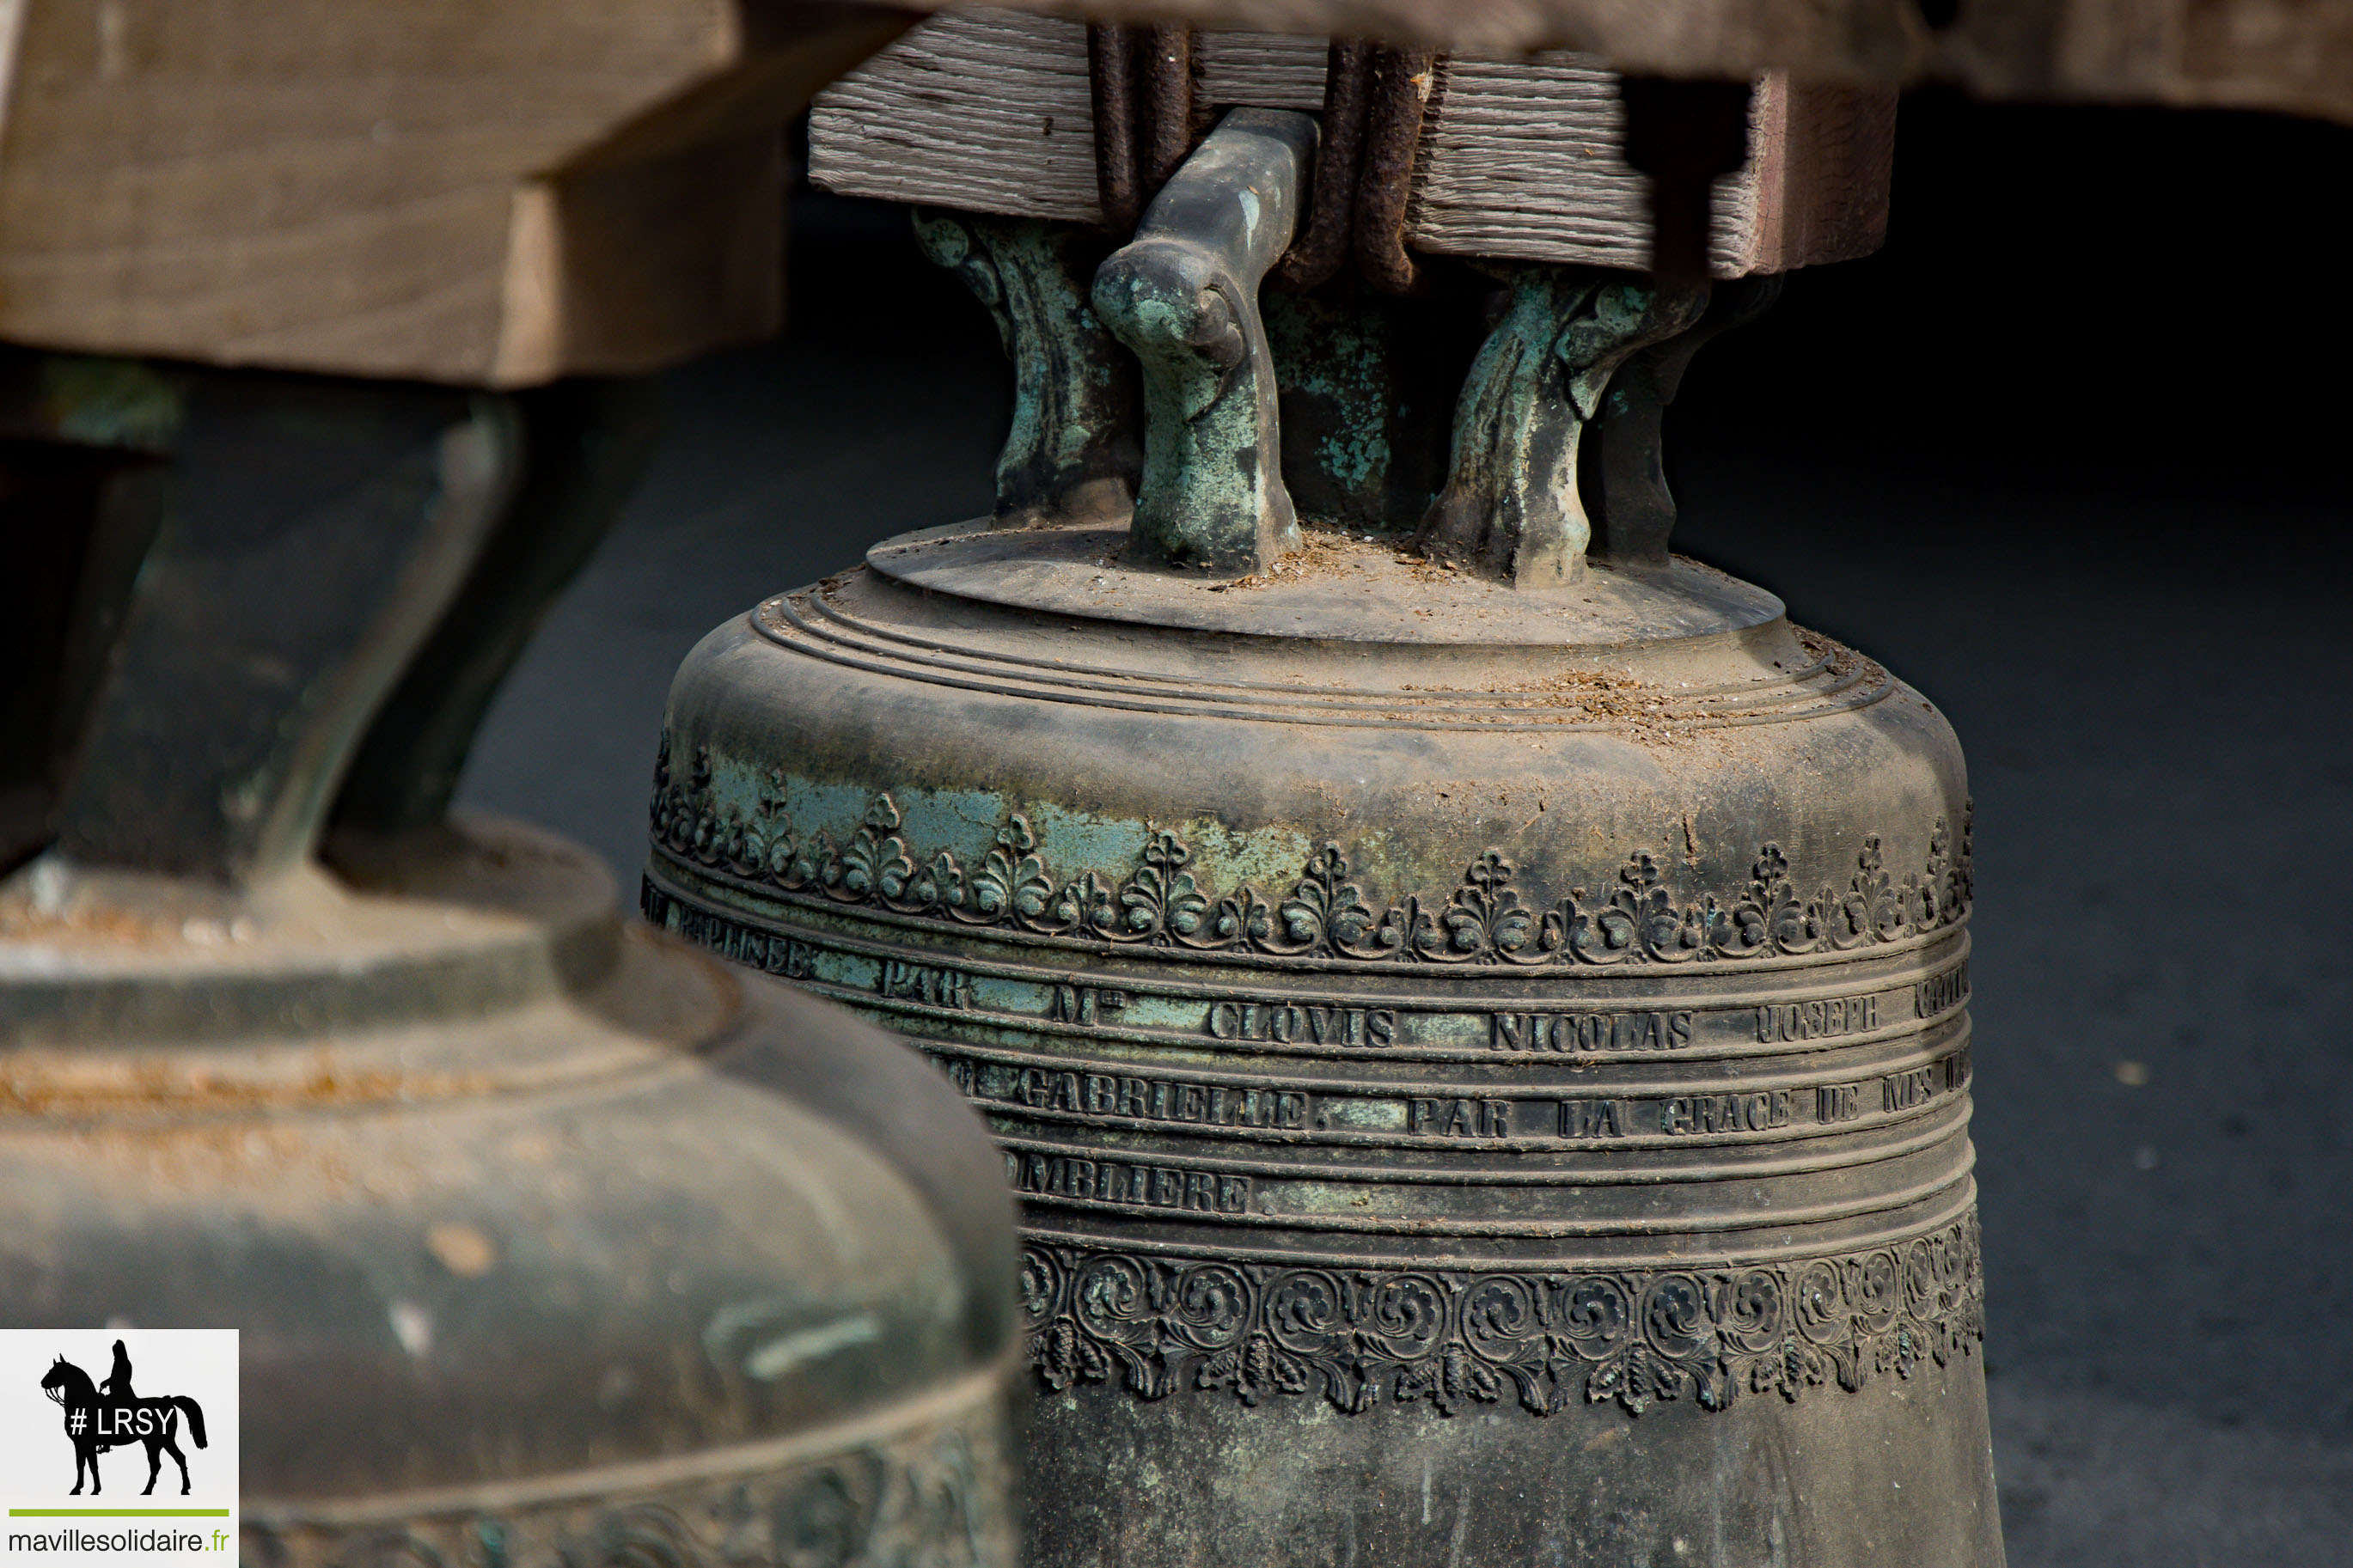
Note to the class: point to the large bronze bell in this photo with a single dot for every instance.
(1477, 1022)
(552, 1242)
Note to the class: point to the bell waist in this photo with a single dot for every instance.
(1710, 1110)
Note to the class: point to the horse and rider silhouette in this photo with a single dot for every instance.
(111, 1416)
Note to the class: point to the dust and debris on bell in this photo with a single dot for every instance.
(1473, 1005)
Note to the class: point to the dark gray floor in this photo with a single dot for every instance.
(2152, 671)
(2165, 1091)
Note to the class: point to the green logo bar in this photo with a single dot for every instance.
(117, 1513)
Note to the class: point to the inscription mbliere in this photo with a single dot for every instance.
(1118, 1181)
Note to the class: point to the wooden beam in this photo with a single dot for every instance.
(987, 110)
(2293, 55)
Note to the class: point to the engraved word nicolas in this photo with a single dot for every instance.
(1590, 1031)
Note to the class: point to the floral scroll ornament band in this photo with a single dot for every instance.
(1545, 1341)
(1160, 903)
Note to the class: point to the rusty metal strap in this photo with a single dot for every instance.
(1401, 82)
(1324, 242)
(1111, 78)
(1374, 98)
(1140, 81)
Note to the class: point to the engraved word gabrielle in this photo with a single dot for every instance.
(1142, 1100)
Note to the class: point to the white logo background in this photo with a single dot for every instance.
(36, 1455)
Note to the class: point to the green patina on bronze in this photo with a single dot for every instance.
(1338, 389)
(1184, 297)
(1621, 474)
(1431, 1019)
(1072, 449)
(1365, 412)
(1511, 508)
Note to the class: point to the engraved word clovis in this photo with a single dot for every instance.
(1160, 903)
(1543, 1339)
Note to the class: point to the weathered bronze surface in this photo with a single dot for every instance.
(1183, 296)
(551, 1243)
(1480, 1035)
(1515, 1045)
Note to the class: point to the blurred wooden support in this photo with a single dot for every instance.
(486, 194)
(987, 110)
